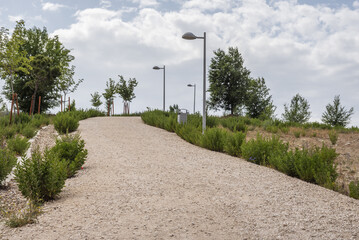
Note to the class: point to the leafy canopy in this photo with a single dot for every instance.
(298, 111)
(337, 115)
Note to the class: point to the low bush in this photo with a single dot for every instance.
(23, 118)
(41, 177)
(296, 134)
(7, 162)
(9, 131)
(354, 190)
(234, 124)
(212, 121)
(28, 131)
(190, 133)
(333, 136)
(171, 123)
(283, 161)
(18, 145)
(258, 150)
(40, 120)
(66, 122)
(71, 150)
(234, 142)
(214, 139)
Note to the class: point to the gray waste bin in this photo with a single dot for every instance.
(182, 116)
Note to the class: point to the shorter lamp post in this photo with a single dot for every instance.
(164, 83)
(194, 97)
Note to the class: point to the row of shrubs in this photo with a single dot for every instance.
(314, 165)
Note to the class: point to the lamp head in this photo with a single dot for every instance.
(189, 85)
(189, 36)
(156, 68)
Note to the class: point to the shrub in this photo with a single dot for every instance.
(214, 139)
(283, 161)
(284, 129)
(258, 150)
(9, 131)
(66, 122)
(234, 142)
(71, 150)
(41, 178)
(28, 131)
(354, 190)
(40, 120)
(234, 124)
(212, 121)
(18, 144)
(333, 136)
(23, 118)
(7, 162)
(297, 134)
(171, 123)
(26, 216)
(190, 133)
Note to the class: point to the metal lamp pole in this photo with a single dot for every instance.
(191, 36)
(194, 97)
(164, 84)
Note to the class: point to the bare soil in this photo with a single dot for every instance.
(140, 182)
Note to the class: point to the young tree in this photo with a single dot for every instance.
(66, 82)
(126, 92)
(229, 80)
(298, 111)
(2, 105)
(109, 94)
(336, 115)
(96, 100)
(259, 103)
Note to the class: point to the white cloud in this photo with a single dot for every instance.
(356, 4)
(146, 3)
(52, 6)
(105, 3)
(297, 48)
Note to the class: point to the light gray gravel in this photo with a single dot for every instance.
(141, 182)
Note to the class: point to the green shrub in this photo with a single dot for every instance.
(71, 150)
(171, 123)
(190, 133)
(234, 124)
(40, 120)
(66, 122)
(28, 131)
(259, 150)
(7, 162)
(9, 131)
(18, 145)
(297, 134)
(214, 139)
(333, 136)
(41, 178)
(284, 129)
(354, 190)
(283, 161)
(212, 121)
(234, 142)
(23, 118)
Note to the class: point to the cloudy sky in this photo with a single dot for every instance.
(298, 46)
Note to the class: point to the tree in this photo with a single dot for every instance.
(126, 92)
(66, 82)
(96, 100)
(36, 42)
(298, 111)
(229, 80)
(43, 75)
(259, 103)
(109, 94)
(336, 115)
(2, 105)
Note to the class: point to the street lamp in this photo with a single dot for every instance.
(164, 83)
(191, 36)
(194, 98)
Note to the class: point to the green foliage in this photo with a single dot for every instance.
(333, 136)
(23, 118)
(9, 131)
(354, 190)
(228, 79)
(212, 121)
(259, 150)
(71, 150)
(26, 216)
(39, 120)
(296, 134)
(259, 103)
(66, 122)
(28, 131)
(337, 115)
(96, 100)
(234, 124)
(18, 145)
(298, 111)
(234, 142)
(190, 133)
(41, 178)
(174, 108)
(214, 139)
(109, 94)
(126, 91)
(7, 162)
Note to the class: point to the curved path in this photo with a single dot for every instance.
(141, 182)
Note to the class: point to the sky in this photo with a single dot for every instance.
(298, 46)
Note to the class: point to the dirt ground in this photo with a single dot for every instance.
(140, 182)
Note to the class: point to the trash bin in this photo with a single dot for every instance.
(182, 116)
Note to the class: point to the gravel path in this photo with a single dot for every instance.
(141, 182)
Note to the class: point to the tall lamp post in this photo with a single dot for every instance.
(164, 83)
(191, 36)
(194, 98)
